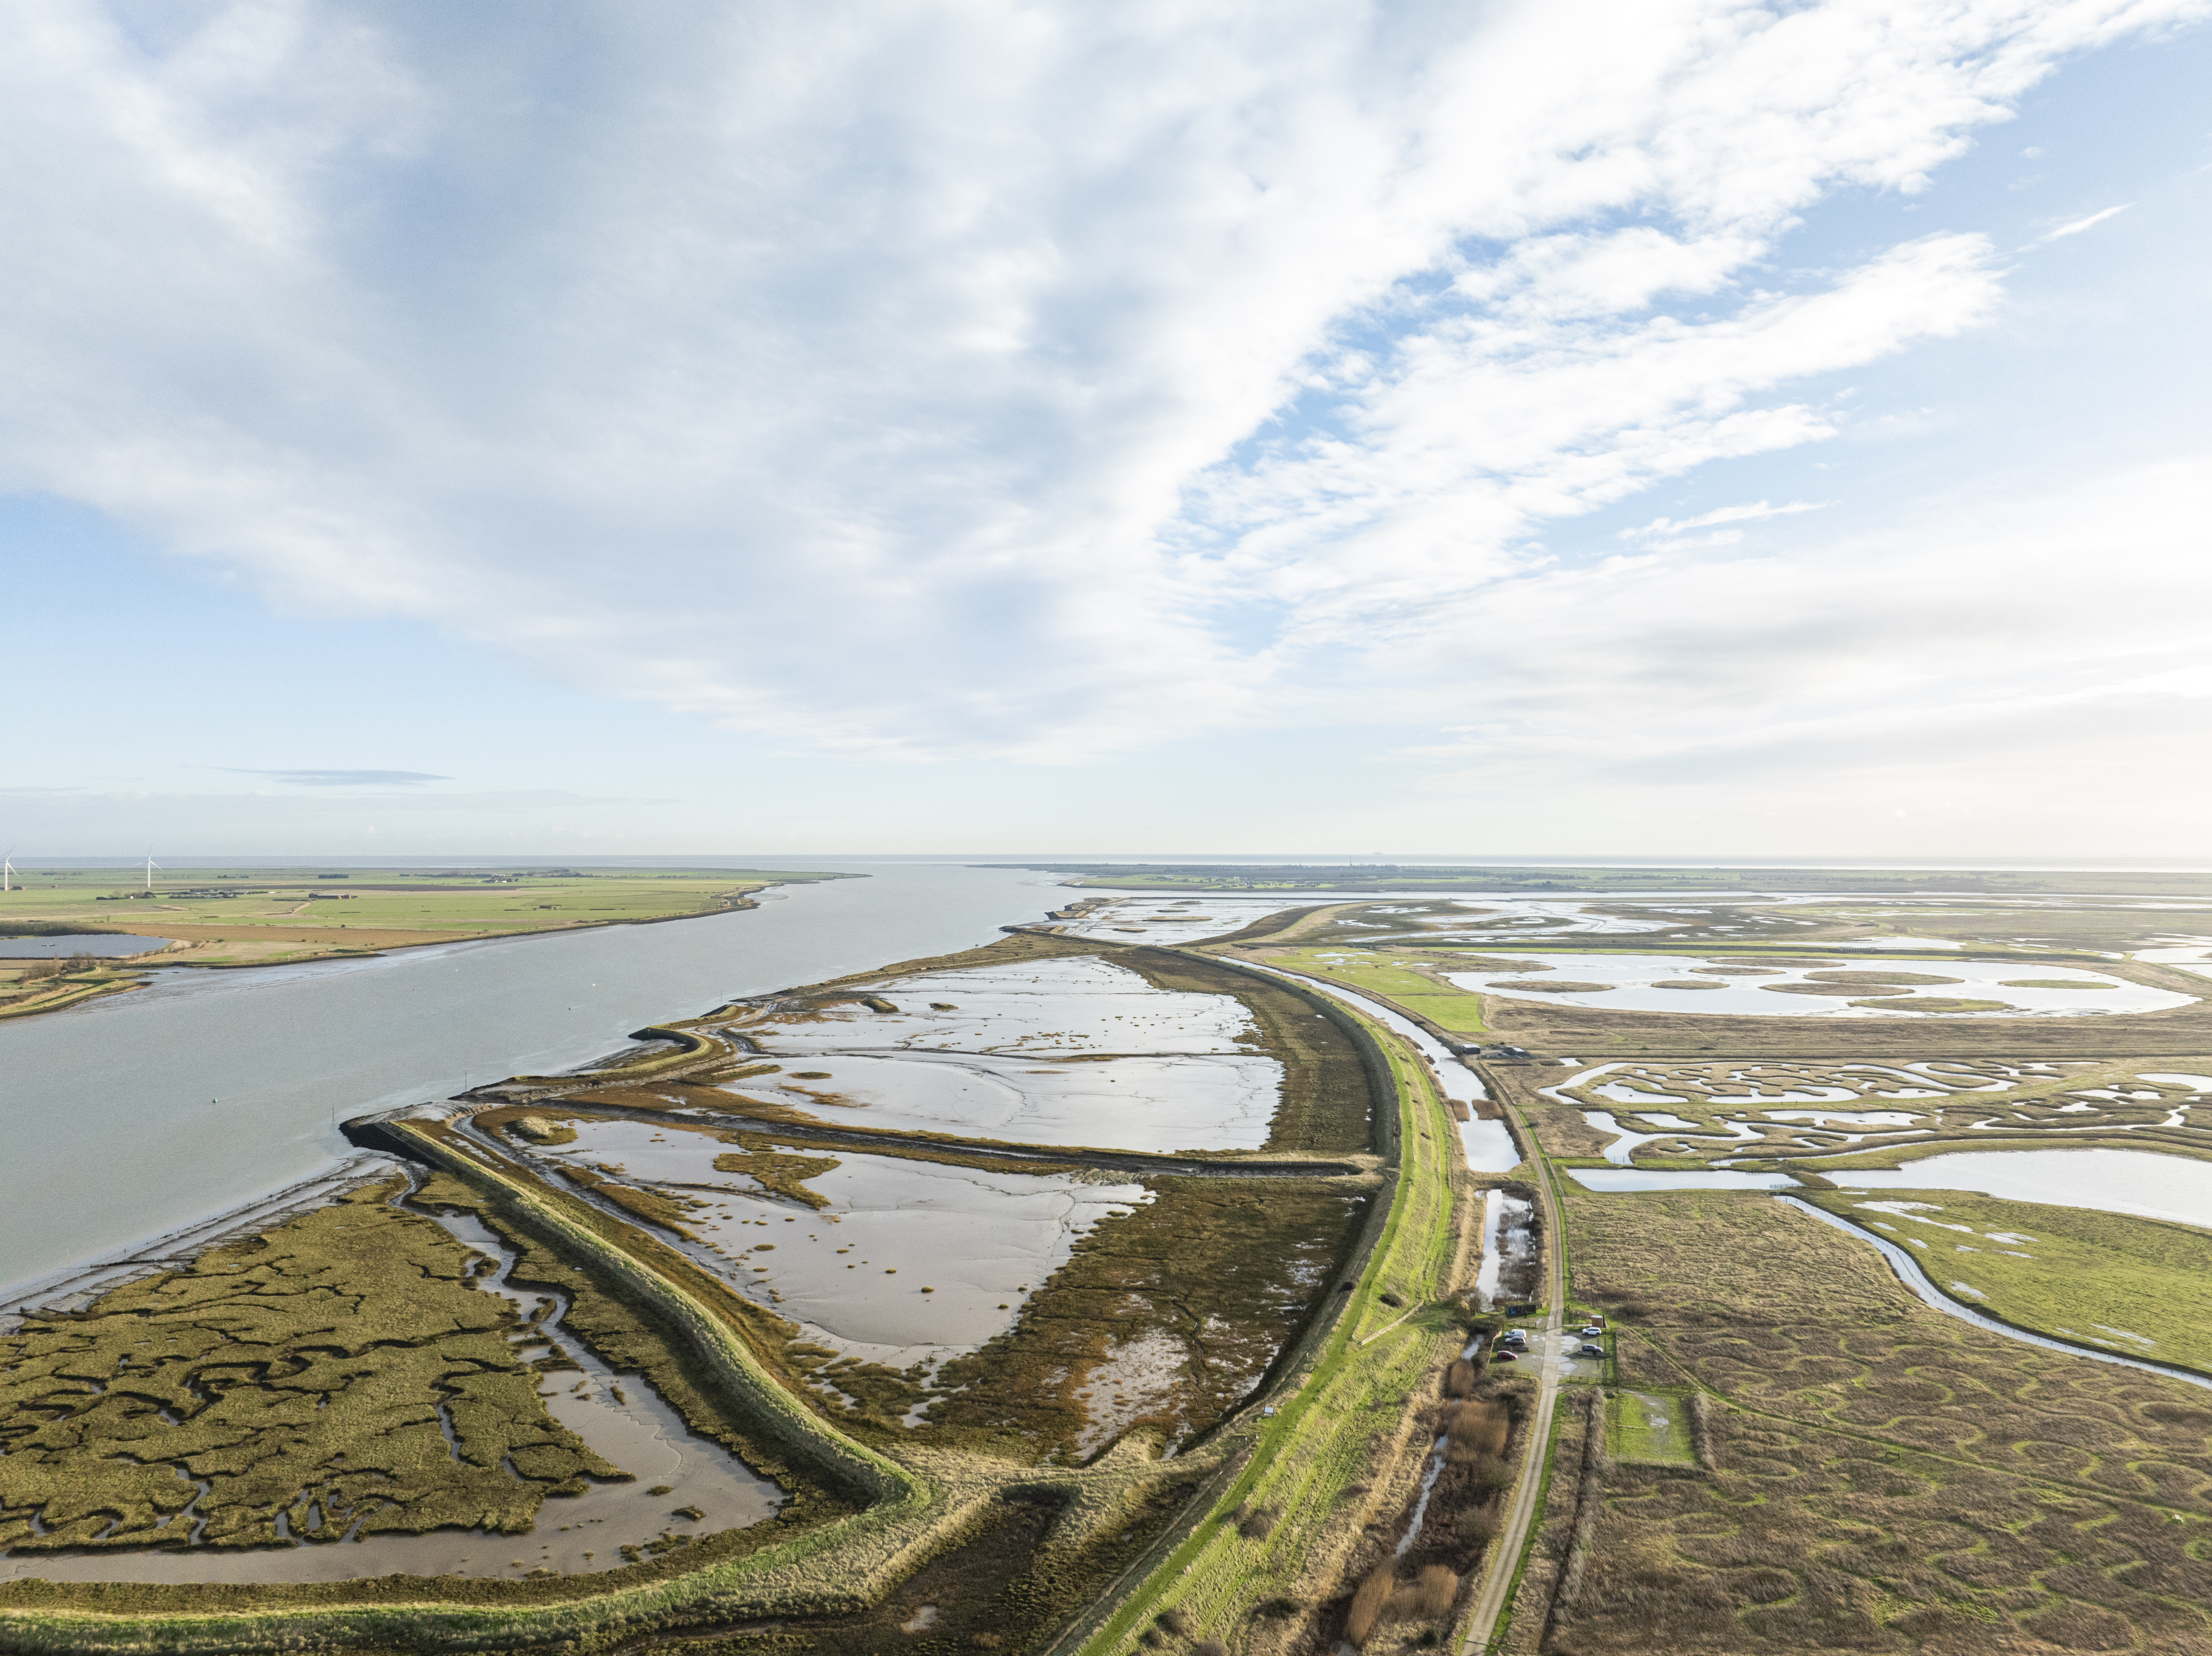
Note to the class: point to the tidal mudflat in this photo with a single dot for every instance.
(1066, 1050)
(904, 1261)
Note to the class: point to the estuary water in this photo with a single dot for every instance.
(131, 1117)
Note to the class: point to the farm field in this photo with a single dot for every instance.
(232, 917)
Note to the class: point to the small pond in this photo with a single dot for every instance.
(108, 944)
(2176, 1188)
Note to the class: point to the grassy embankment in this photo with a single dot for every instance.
(2141, 1288)
(1343, 1426)
(229, 917)
(1400, 979)
(1883, 1475)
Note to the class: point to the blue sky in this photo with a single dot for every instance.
(980, 428)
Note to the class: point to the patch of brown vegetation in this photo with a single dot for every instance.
(1884, 1476)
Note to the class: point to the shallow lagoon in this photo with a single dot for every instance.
(1081, 1004)
(1635, 979)
(1183, 1101)
(2176, 1188)
(852, 1273)
(107, 945)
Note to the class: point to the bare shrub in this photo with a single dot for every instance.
(1459, 1379)
(1369, 1603)
(1488, 1472)
(1211, 1647)
(1173, 1621)
(1479, 1524)
(1258, 1524)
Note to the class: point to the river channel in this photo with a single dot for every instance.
(132, 1117)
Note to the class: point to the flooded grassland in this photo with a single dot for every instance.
(971, 1257)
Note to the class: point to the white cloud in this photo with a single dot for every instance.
(1666, 529)
(2079, 225)
(971, 377)
(1926, 662)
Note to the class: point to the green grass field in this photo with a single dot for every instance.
(2133, 1286)
(1651, 1427)
(232, 917)
(1327, 1435)
(1394, 977)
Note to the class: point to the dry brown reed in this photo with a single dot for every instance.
(1432, 1593)
(1369, 1602)
(1478, 1427)
(1459, 1379)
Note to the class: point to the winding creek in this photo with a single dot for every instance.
(1910, 1273)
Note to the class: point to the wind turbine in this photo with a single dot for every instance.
(8, 870)
(151, 866)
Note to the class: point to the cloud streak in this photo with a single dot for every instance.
(343, 779)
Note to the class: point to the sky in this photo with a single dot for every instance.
(1656, 429)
